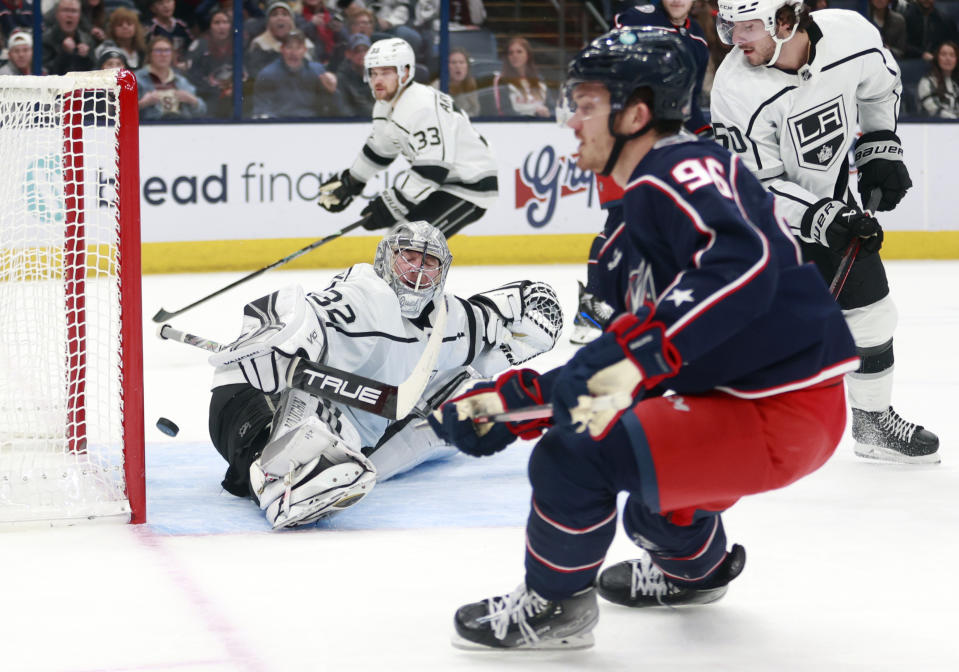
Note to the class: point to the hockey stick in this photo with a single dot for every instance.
(609, 402)
(389, 401)
(849, 256)
(164, 315)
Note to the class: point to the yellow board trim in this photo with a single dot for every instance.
(249, 255)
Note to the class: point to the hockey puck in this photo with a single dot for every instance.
(168, 427)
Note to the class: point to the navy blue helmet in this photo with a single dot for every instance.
(626, 59)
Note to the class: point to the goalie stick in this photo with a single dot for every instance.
(389, 401)
(163, 315)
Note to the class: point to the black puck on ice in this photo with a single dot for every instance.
(168, 427)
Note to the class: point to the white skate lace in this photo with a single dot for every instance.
(648, 580)
(517, 606)
(891, 422)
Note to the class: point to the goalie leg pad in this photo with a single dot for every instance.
(319, 489)
(312, 465)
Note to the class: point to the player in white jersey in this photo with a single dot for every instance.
(452, 177)
(301, 457)
(789, 99)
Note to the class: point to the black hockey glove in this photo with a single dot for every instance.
(515, 389)
(834, 224)
(879, 161)
(339, 191)
(377, 215)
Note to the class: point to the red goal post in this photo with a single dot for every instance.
(71, 362)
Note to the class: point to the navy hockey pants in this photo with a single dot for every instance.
(683, 460)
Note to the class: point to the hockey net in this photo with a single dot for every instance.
(71, 418)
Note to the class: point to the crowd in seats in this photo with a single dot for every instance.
(490, 74)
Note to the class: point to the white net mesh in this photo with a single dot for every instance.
(61, 404)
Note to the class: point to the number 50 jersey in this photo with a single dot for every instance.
(794, 129)
(444, 150)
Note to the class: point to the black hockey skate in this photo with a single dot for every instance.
(640, 583)
(592, 316)
(883, 435)
(524, 620)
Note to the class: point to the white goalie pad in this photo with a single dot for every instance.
(276, 328)
(525, 319)
(312, 466)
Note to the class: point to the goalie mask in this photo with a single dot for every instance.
(413, 259)
(391, 53)
(732, 12)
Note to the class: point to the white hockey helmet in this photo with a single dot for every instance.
(415, 280)
(736, 11)
(392, 52)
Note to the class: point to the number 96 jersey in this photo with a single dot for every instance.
(444, 150)
(794, 129)
(701, 243)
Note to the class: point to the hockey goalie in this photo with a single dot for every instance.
(302, 457)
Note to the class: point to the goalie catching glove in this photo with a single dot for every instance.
(834, 224)
(513, 389)
(612, 373)
(523, 319)
(339, 191)
(276, 329)
(879, 162)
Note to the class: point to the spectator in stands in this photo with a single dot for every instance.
(211, 65)
(125, 32)
(111, 57)
(15, 14)
(164, 92)
(391, 17)
(462, 83)
(320, 26)
(891, 25)
(357, 97)
(939, 90)
(204, 11)
(93, 19)
(19, 54)
(926, 29)
(815, 5)
(265, 47)
(519, 89)
(358, 21)
(66, 48)
(292, 86)
(164, 24)
(466, 14)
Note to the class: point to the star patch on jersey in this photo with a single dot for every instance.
(679, 296)
(819, 134)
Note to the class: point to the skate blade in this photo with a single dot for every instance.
(880, 454)
(584, 335)
(581, 641)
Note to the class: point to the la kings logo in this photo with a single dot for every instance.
(819, 134)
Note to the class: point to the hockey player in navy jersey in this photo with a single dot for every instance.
(714, 304)
(789, 100)
(673, 15)
(452, 179)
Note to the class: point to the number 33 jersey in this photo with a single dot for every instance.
(444, 150)
(794, 129)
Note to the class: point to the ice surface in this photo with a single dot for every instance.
(852, 568)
